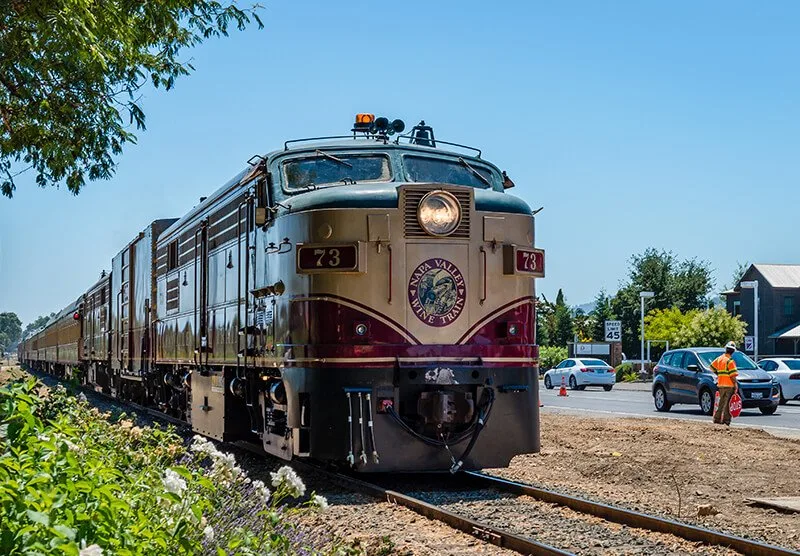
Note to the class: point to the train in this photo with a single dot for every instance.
(365, 300)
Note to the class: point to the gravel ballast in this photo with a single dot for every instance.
(670, 468)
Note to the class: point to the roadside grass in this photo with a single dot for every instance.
(72, 482)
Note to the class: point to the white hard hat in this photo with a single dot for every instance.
(730, 345)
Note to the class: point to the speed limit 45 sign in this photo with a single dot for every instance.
(613, 331)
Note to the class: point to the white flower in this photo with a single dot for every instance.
(224, 468)
(286, 476)
(91, 550)
(203, 446)
(82, 398)
(173, 482)
(262, 490)
(320, 501)
(208, 533)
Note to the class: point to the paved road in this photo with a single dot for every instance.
(636, 401)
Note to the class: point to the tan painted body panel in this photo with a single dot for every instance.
(383, 286)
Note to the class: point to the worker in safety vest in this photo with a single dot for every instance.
(725, 368)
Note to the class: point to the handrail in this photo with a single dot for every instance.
(485, 277)
(119, 325)
(286, 143)
(248, 217)
(195, 349)
(389, 253)
(408, 136)
(239, 286)
(204, 282)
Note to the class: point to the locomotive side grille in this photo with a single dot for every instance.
(411, 226)
(173, 294)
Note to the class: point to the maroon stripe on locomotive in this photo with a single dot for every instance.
(330, 324)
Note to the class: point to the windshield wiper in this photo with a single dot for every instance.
(474, 171)
(335, 159)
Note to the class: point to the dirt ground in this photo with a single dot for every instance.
(9, 373)
(383, 529)
(670, 467)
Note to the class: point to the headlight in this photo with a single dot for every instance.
(439, 213)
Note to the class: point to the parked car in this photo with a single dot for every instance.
(580, 373)
(685, 376)
(787, 372)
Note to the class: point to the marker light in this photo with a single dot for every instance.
(361, 329)
(439, 213)
(76, 316)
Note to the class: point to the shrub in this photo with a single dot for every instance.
(550, 356)
(73, 483)
(627, 373)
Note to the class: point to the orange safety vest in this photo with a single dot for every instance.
(725, 367)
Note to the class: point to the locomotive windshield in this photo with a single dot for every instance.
(456, 172)
(336, 169)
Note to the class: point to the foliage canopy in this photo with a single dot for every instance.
(682, 284)
(10, 331)
(550, 356)
(712, 327)
(71, 72)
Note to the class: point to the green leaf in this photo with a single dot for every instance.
(73, 69)
(183, 472)
(65, 531)
(38, 517)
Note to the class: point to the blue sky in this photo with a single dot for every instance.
(674, 125)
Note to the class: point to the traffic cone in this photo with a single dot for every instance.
(563, 390)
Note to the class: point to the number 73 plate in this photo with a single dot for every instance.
(526, 261)
(320, 258)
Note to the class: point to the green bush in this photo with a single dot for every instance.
(550, 356)
(627, 373)
(73, 483)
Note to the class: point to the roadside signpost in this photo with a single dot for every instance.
(749, 343)
(753, 284)
(613, 331)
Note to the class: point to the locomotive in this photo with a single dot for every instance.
(364, 299)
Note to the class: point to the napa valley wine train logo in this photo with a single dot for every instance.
(437, 292)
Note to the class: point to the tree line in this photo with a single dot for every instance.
(683, 310)
(11, 331)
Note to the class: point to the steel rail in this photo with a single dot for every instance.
(632, 518)
(485, 532)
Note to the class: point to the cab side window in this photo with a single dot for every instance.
(677, 359)
(667, 359)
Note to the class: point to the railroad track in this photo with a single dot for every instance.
(501, 536)
(631, 518)
(505, 538)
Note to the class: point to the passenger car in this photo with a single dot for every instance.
(580, 373)
(685, 376)
(787, 372)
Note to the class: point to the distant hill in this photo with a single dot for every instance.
(586, 307)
